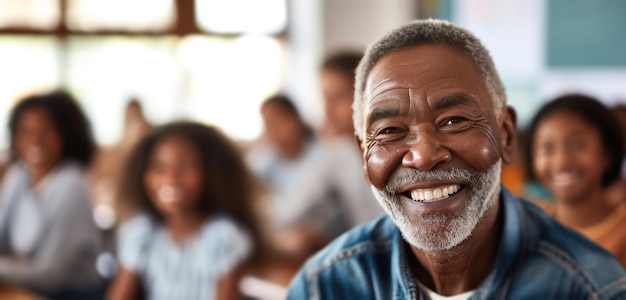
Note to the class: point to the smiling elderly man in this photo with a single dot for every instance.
(431, 117)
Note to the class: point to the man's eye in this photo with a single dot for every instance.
(385, 135)
(454, 121)
(455, 124)
(390, 130)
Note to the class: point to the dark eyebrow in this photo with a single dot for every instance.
(382, 113)
(455, 100)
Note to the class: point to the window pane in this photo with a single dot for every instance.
(229, 78)
(29, 65)
(130, 15)
(242, 16)
(106, 72)
(29, 14)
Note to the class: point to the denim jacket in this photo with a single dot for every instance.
(537, 259)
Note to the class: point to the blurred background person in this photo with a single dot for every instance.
(303, 212)
(576, 151)
(107, 170)
(106, 175)
(195, 227)
(48, 240)
(337, 83)
(315, 185)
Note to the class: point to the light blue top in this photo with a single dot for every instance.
(324, 188)
(537, 259)
(51, 228)
(189, 271)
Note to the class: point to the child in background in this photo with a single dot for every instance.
(48, 240)
(197, 227)
(576, 151)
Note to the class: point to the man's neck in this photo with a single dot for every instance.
(464, 267)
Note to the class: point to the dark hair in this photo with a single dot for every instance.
(285, 103)
(228, 186)
(597, 115)
(617, 108)
(68, 119)
(344, 63)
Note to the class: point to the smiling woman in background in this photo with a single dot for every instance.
(48, 239)
(576, 151)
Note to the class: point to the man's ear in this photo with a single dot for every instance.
(359, 143)
(508, 134)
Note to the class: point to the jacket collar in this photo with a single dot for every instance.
(508, 252)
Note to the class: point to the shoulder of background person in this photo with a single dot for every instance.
(259, 156)
(340, 151)
(15, 172)
(69, 171)
(138, 226)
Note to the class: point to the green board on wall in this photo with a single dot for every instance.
(586, 33)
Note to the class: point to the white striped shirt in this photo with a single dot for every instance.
(188, 271)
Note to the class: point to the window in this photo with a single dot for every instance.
(29, 65)
(31, 14)
(131, 15)
(229, 78)
(242, 16)
(107, 52)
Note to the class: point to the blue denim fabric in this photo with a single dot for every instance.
(537, 259)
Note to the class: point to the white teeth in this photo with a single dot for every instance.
(167, 194)
(436, 194)
(565, 179)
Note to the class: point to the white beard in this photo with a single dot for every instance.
(421, 230)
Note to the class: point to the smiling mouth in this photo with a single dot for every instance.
(434, 194)
(565, 179)
(168, 194)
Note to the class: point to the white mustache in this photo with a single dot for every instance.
(406, 176)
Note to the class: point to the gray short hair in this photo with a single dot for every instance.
(422, 32)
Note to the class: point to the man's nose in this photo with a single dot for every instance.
(425, 150)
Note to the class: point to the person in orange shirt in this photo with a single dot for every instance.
(576, 152)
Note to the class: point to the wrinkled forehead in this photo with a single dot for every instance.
(426, 69)
(388, 77)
